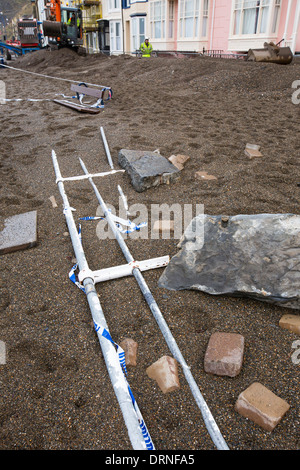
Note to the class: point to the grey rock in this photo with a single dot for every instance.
(256, 256)
(19, 232)
(147, 169)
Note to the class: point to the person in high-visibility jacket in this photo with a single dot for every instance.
(146, 48)
(71, 20)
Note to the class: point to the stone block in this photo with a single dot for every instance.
(165, 373)
(224, 354)
(130, 349)
(19, 232)
(290, 322)
(243, 263)
(261, 406)
(147, 169)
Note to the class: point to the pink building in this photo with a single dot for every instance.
(227, 25)
(239, 25)
(194, 25)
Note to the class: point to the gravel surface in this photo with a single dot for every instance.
(55, 390)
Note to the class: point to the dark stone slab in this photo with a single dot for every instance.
(19, 233)
(256, 256)
(147, 169)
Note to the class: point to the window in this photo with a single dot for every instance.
(114, 5)
(188, 18)
(276, 16)
(171, 19)
(115, 36)
(157, 19)
(204, 18)
(252, 16)
(138, 31)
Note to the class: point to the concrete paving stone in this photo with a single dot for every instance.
(261, 406)
(224, 354)
(147, 169)
(19, 233)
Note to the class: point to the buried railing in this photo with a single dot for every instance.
(88, 279)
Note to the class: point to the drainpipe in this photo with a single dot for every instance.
(295, 29)
(123, 26)
(212, 24)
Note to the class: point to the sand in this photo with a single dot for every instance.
(55, 390)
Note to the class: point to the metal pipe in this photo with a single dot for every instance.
(106, 148)
(295, 28)
(287, 19)
(115, 372)
(211, 425)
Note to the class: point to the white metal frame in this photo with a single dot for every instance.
(88, 278)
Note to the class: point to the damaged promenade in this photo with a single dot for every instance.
(207, 110)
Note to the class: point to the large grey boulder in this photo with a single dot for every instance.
(256, 256)
(147, 169)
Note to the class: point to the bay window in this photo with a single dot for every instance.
(252, 16)
(158, 19)
(188, 18)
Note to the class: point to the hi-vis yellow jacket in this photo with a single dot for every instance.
(146, 50)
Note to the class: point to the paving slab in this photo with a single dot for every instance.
(147, 169)
(19, 232)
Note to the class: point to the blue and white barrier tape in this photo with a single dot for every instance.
(147, 438)
(120, 352)
(74, 279)
(119, 222)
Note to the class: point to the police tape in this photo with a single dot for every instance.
(121, 355)
(99, 103)
(119, 351)
(119, 222)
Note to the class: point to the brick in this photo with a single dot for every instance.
(290, 322)
(252, 151)
(165, 372)
(224, 354)
(261, 406)
(178, 160)
(204, 175)
(163, 226)
(130, 349)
